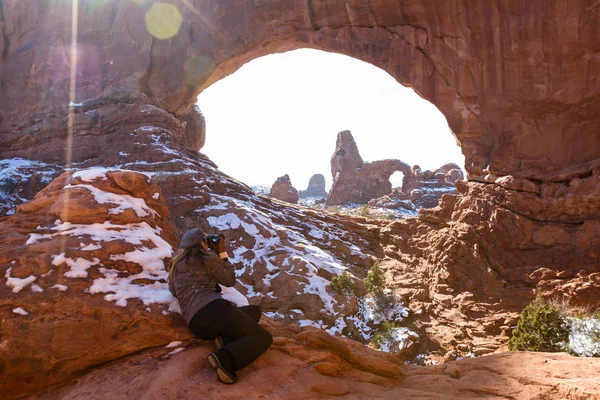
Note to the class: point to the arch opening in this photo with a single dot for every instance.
(397, 179)
(280, 114)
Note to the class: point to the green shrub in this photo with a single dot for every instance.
(375, 281)
(343, 284)
(383, 334)
(363, 211)
(541, 328)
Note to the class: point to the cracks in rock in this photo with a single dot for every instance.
(145, 80)
(4, 34)
(5, 51)
(311, 12)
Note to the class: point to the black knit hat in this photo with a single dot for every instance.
(191, 238)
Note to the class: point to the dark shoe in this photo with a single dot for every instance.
(224, 375)
(219, 342)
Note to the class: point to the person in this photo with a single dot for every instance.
(196, 272)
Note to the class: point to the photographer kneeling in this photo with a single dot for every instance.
(196, 271)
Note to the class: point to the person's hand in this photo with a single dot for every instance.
(218, 245)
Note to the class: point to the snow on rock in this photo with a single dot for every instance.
(20, 311)
(177, 350)
(584, 336)
(397, 340)
(91, 174)
(233, 295)
(265, 232)
(78, 266)
(17, 284)
(116, 246)
(60, 287)
(90, 247)
(122, 201)
(99, 173)
(36, 289)
(20, 179)
(392, 309)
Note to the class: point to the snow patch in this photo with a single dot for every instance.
(584, 336)
(20, 311)
(233, 295)
(78, 267)
(90, 247)
(399, 339)
(36, 289)
(18, 284)
(122, 201)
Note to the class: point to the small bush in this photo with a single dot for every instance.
(343, 284)
(375, 281)
(363, 211)
(541, 328)
(384, 334)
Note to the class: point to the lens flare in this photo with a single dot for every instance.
(163, 20)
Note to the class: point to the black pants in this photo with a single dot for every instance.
(244, 338)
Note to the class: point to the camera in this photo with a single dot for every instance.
(213, 238)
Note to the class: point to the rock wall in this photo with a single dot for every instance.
(516, 81)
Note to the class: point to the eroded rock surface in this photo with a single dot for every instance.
(421, 189)
(283, 190)
(355, 181)
(84, 279)
(312, 365)
(509, 118)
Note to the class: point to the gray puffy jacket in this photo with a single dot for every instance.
(195, 279)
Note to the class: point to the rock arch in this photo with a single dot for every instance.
(478, 63)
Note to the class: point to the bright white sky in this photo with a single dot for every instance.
(280, 114)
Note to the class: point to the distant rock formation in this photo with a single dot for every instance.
(283, 190)
(424, 189)
(356, 181)
(316, 187)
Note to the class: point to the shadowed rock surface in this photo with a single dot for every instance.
(316, 187)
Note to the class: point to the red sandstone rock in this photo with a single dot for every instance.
(73, 257)
(307, 368)
(355, 181)
(283, 190)
(528, 124)
(195, 129)
(346, 157)
(529, 137)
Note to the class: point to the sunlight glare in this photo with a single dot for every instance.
(163, 20)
